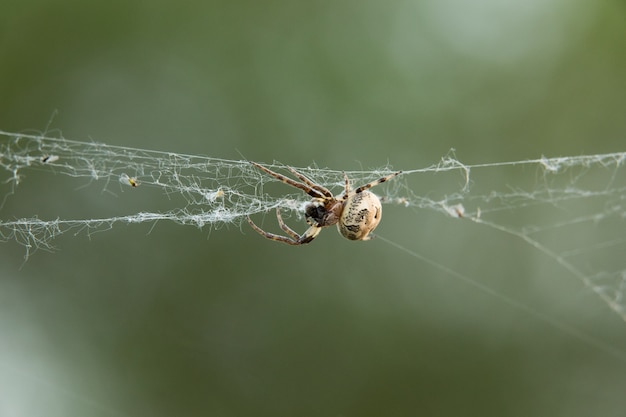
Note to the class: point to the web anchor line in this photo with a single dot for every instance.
(571, 209)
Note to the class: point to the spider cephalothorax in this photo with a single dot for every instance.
(321, 213)
(355, 212)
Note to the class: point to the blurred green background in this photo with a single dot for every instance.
(186, 322)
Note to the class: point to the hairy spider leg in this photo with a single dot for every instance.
(310, 183)
(284, 226)
(270, 236)
(307, 237)
(347, 191)
(374, 183)
(310, 191)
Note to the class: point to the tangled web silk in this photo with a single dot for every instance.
(582, 199)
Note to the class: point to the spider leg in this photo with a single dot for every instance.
(347, 191)
(307, 189)
(310, 183)
(295, 240)
(286, 228)
(271, 236)
(310, 234)
(374, 183)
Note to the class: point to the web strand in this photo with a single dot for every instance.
(571, 209)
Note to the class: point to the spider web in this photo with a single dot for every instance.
(581, 200)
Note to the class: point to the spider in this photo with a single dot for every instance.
(355, 212)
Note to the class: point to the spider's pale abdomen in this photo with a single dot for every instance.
(361, 214)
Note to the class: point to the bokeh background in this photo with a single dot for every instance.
(179, 321)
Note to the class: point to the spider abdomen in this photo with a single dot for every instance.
(361, 214)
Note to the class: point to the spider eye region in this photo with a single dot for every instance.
(361, 215)
(315, 214)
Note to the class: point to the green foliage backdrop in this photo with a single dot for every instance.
(170, 320)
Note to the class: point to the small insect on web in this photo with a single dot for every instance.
(570, 210)
(355, 212)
